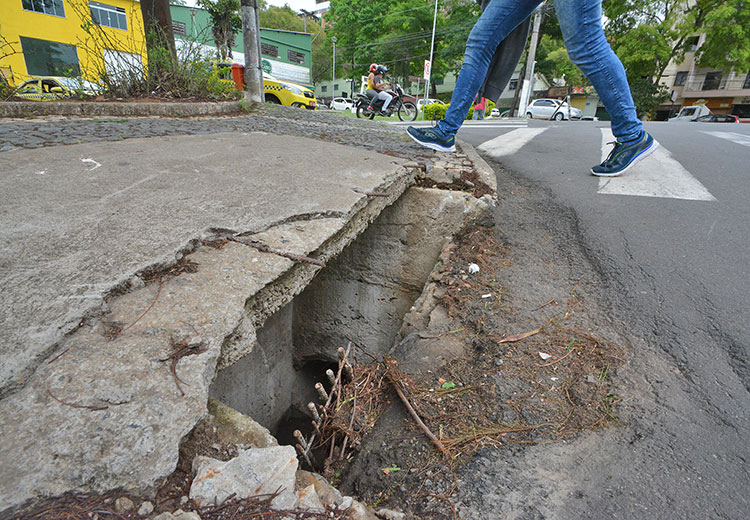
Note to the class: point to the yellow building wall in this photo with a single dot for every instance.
(90, 41)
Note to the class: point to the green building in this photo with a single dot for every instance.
(286, 55)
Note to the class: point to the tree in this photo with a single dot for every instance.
(225, 23)
(284, 18)
(399, 34)
(157, 22)
(667, 27)
(648, 34)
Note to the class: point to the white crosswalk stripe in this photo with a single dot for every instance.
(472, 125)
(510, 142)
(658, 175)
(730, 136)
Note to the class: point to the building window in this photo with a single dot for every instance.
(747, 81)
(712, 81)
(439, 82)
(53, 7)
(324, 88)
(108, 15)
(513, 84)
(680, 78)
(179, 29)
(269, 50)
(46, 58)
(692, 43)
(296, 57)
(335, 87)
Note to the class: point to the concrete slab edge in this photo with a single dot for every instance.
(282, 291)
(485, 171)
(24, 109)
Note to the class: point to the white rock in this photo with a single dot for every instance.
(308, 500)
(253, 472)
(123, 505)
(388, 514)
(146, 509)
(359, 512)
(164, 516)
(186, 515)
(473, 268)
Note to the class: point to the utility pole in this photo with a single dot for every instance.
(530, 61)
(251, 37)
(333, 75)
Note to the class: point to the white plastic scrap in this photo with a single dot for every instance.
(544, 355)
(473, 268)
(488, 295)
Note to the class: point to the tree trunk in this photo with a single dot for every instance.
(157, 22)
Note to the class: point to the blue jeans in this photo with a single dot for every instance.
(580, 22)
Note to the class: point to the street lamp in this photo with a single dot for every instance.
(333, 79)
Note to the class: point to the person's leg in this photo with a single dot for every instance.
(581, 25)
(386, 100)
(475, 116)
(497, 21)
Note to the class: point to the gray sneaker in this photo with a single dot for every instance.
(625, 155)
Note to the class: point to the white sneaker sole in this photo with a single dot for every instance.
(645, 153)
(433, 146)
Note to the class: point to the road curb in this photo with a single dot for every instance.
(16, 109)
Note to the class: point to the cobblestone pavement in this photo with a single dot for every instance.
(323, 125)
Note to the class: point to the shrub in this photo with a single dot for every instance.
(189, 74)
(435, 111)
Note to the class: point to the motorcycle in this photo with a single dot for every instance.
(406, 110)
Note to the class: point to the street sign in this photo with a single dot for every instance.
(426, 69)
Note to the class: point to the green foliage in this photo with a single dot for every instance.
(668, 25)
(225, 23)
(284, 18)
(648, 34)
(435, 111)
(647, 95)
(399, 35)
(553, 62)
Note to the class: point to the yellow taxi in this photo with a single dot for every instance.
(277, 91)
(50, 88)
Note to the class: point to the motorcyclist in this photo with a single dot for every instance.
(377, 87)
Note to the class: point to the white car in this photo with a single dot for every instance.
(545, 107)
(422, 102)
(495, 112)
(340, 103)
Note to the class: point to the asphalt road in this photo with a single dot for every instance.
(671, 239)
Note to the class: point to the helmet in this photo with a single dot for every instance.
(381, 69)
(373, 67)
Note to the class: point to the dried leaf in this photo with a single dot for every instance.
(518, 337)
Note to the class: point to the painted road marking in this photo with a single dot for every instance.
(473, 124)
(731, 136)
(658, 175)
(509, 143)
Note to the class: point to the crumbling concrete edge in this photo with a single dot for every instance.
(24, 109)
(286, 287)
(485, 171)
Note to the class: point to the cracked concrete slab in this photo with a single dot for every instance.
(87, 368)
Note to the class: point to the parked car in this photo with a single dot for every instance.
(49, 88)
(495, 112)
(690, 113)
(275, 90)
(422, 102)
(340, 103)
(718, 118)
(545, 107)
